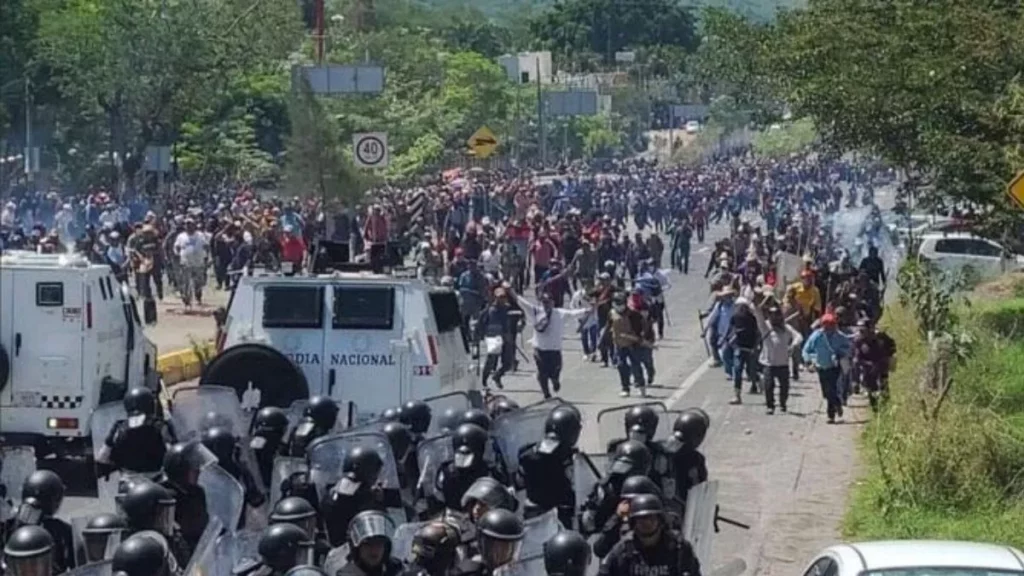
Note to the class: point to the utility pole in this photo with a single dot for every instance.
(540, 119)
(29, 156)
(320, 24)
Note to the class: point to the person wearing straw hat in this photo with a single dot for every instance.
(719, 322)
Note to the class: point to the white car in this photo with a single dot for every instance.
(692, 127)
(955, 251)
(917, 558)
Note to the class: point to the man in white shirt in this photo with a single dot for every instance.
(191, 247)
(548, 330)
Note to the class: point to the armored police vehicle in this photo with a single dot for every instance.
(70, 340)
(369, 341)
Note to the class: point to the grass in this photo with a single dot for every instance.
(960, 474)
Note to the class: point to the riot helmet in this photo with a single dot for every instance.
(646, 515)
(305, 570)
(270, 422)
(369, 537)
(183, 462)
(393, 414)
(124, 484)
(631, 457)
(469, 442)
(214, 419)
(284, 546)
(478, 417)
(416, 415)
(41, 496)
(399, 438)
(295, 510)
(637, 485)
(97, 535)
(434, 546)
(29, 552)
(139, 404)
(362, 466)
(485, 494)
(141, 556)
(690, 428)
(502, 405)
(448, 421)
(567, 553)
(323, 411)
(500, 533)
(561, 430)
(149, 506)
(221, 442)
(641, 423)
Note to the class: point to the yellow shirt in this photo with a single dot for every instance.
(807, 298)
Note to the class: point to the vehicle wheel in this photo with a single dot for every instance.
(278, 379)
(5, 367)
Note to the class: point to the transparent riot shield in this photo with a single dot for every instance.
(327, 456)
(101, 423)
(514, 430)
(336, 559)
(204, 558)
(438, 404)
(588, 470)
(285, 467)
(104, 568)
(431, 454)
(611, 422)
(539, 530)
(232, 550)
(17, 463)
(298, 408)
(401, 542)
(699, 522)
(196, 408)
(225, 496)
(527, 565)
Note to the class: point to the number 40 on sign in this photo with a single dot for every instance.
(370, 149)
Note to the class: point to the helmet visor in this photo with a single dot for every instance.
(100, 544)
(464, 457)
(39, 565)
(496, 553)
(29, 513)
(372, 525)
(164, 520)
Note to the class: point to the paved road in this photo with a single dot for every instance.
(178, 328)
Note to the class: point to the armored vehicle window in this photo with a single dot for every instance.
(49, 293)
(293, 307)
(446, 310)
(364, 307)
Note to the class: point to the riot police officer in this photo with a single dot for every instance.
(487, 494)
(567, 554)
(282, 547)
(434, 549)
(393, 414)
(455, 476)
(182, 465)
(416, 415)
(357, 491)
(401, 440)
(268, 432)
(448, 421)
(318, 419)
(149, 510)
(476, 416)
(687, 466)
(499, 534)
(502, 405)
(42, 494)
(139, 442)
(298, 511)
(651, 547)
(369, 537)
(545, 468)
(96, 535)
(141, 556)
(631, 458)
(29, 552)
(641, 425)
(617, 523)
(224, 445)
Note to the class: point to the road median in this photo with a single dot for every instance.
(185, 364)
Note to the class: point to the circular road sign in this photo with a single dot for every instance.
(370, 150)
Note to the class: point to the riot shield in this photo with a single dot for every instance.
(17, 463)
(336, 559)
(327, 456)
(401, 542)
(514, 430)
(539, 530)
(102, 421)
(195, 408)
(699, 522)
(104, 568)
(225, 496)
(431, 454)
(588, 470)
(231, 550)
(284, 468)
(527, 565)
(611, 422)
(78, 542)
(204, 558)
(298, 408)
(438, 404)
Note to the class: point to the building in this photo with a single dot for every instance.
(525, 67)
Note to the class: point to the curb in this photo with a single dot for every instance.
(181, 365)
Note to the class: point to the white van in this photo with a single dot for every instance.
(955, 251)
(368, 341)
(70, 340)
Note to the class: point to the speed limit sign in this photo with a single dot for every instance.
(370, 149)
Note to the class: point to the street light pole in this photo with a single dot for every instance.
(29, 168)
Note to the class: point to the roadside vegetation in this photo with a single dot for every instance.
(945, 457)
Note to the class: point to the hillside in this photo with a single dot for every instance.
(503, 9)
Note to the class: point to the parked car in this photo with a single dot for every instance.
(692, 127)
(917, 558)
(965, 252)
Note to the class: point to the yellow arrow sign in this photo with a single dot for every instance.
(483, 142)
(1015, 189)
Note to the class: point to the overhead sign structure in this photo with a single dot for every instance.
(370, 149)
(483, 142)
(336, 80)
(1015, 189)
(572, 103)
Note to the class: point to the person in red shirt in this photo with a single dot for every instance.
(542, 252)
(293, 248)
(376, 234)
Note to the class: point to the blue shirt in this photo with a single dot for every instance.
(721, 317)
(826, 348)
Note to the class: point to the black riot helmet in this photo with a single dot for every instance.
(393, 414)
(489, 492)
(434, 547)
(399, 438)
(361, 467)
(416, 415)
(641, 423)
(636, 485)
(646, 505)
(97, 533)
(124, 485)
(139, 401)
(500, 532)
(149, 506)
(561, 430)
(221, 442)
(284, 546)
(213, 419)
(44, 490)
(631, 457)
(690, 428)
(270, 421)
(184, 460)
(476, 416)
(567, 553)
(140, 556)
(295, 510)
(502, 405)
(469, 442)
(323, 411)
(371, 525)
(448, 421)
(29, 552)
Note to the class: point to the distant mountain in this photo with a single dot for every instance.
(503, 9)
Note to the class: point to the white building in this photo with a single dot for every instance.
(525, 67)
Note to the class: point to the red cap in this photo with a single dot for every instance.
(828, 320)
